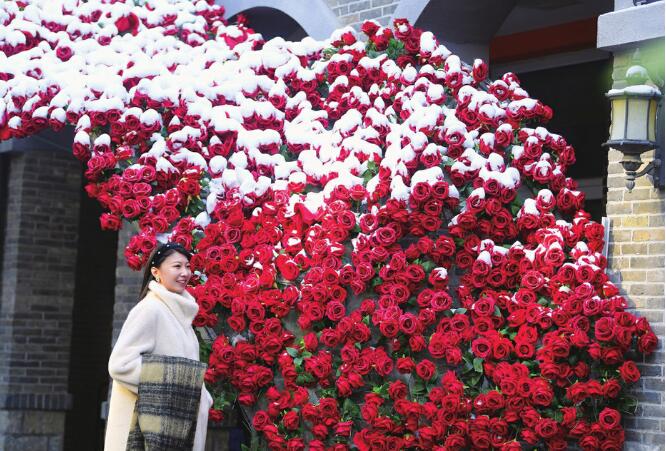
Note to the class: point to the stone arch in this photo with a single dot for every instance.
(313, 16)
(410, 10)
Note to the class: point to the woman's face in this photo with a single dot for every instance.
(174, 272)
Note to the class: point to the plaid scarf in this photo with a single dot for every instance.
(165, 415)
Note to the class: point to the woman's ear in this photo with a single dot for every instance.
(155, 272)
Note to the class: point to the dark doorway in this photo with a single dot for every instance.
(581, 114)
(91, 329)
(271, 23)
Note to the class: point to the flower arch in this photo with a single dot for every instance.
(385, 240)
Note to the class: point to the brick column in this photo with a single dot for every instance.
(355, 12)
(636, 265)
(38, 274)
(128, 282)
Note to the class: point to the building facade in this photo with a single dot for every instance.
(66, 289)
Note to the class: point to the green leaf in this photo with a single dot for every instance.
(474, 380)
(219, 403)
(304, 379)
(428, 266)
(419, 387)
(292, 352)
(328, 393)
(478, 365)
(330, 52)
(628, 405)
(205, 349)
(395, 49)
(350, 409)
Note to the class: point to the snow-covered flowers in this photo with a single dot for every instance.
(386, 241)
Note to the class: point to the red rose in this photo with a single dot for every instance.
(629, 372)
(479, 70)
(609, 418)
(110, 221)
(344, 387)
(335, 311)
(64, 52)
(612, 388)
(398, 390)
(455, 441)
(425, 369)
(405, 365)
(589, 443)
(287, 267)
(481, 347)
(127, 23)
(131, 208)
(369, 27)
(647, 343)
(343, 429)
(295, 444)
(260, 420)
(421, 192)
(189, 186)
(546, 427)
(541, 393)
(215, 415)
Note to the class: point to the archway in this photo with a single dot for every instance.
(268, 17)
(272, 23)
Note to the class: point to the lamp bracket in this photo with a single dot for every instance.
(651, 167)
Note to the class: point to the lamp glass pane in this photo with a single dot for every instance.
(637, 124)
(652, 120)
(618, 105)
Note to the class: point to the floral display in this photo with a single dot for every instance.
(385, 240)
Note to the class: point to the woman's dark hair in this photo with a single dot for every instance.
(160, 253)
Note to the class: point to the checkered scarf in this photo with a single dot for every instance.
(165, 415)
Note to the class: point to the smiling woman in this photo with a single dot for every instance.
(160, 326)
(169, 266)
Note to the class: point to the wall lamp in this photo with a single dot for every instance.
(633, 126)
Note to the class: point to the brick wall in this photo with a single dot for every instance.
(636, 265)
(355, 12)
(38, 265)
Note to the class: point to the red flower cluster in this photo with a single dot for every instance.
(386, 242)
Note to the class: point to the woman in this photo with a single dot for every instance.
(161, 323)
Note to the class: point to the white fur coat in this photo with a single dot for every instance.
(159, 324)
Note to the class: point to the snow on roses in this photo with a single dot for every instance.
(386, 241)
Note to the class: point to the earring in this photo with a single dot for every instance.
(158, 279)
